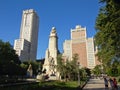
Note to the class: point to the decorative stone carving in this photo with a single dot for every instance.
(51, 54)
(30, 71)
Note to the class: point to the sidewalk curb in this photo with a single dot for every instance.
(84, 84)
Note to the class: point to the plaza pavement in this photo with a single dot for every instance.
(95, 84)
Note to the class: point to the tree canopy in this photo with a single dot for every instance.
(9, 61)
(69, 69)
(107, 37)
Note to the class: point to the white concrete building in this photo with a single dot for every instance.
(90, 53)
(28, 39)
(22, 48)
(67, 50)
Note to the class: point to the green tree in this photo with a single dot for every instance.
(68, 69)
(118, 69)
(74, 68)
(60, 66)
(97, 70)
(107, 37)
(24, 67)
(35, 66)
(88, 72)
(9, 61)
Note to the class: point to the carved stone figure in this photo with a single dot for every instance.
(30, 71)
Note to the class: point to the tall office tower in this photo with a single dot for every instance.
(51, 54)
(97, 62)
(67, 55)
(26, 45)
(78, 38)
(81, 45)
(90, 53)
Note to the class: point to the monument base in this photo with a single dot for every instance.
(52, 78)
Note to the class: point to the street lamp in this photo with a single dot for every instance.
(78, 75)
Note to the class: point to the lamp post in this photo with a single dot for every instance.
(79, 75)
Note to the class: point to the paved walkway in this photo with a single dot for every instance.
(95, 84)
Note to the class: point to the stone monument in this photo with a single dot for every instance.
(51, 54)
(30, 71)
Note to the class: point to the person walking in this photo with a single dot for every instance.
(115, 84)
(106, 83)
(111, 83)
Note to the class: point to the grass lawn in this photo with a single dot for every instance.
(61, 84)
(48, 85)
(58, 85)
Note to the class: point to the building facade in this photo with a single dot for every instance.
(26, 45)
(78, 38)
(81, 45)
(90, 53)
(67, 50)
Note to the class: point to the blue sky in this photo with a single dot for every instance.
(62, 14)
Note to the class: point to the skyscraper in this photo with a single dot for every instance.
(78, 38)
(90, 53)
(26, 45)
(67, 50)
(81, 45)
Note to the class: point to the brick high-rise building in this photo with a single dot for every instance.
(78, 38)
(81, 45)
(26, 45)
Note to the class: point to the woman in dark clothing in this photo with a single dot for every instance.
(106, 82)
(115, 84)
(111, 83)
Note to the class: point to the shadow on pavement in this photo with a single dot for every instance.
(96, 89)
(95, 83)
